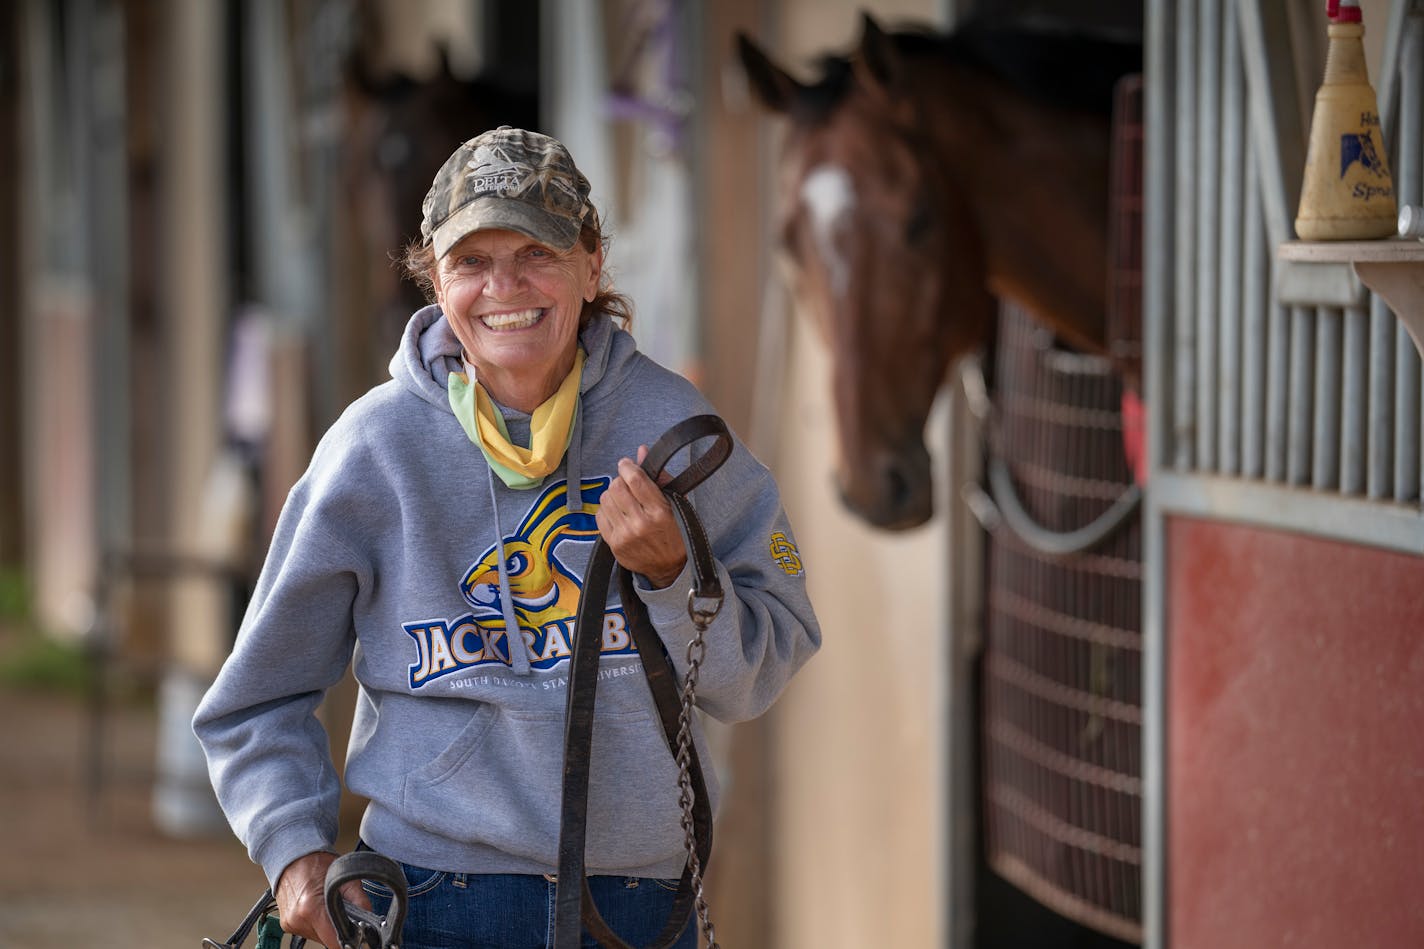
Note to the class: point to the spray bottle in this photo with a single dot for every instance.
(1347, 193)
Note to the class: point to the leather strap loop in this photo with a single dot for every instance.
(574, 906)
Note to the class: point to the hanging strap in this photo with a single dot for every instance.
(574, 906)
(261, 918)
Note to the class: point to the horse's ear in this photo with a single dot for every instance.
(773, 86)
(878, 64)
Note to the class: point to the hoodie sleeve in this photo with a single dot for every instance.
(766, 629)
(268, 755)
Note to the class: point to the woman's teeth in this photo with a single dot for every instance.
(511, 321)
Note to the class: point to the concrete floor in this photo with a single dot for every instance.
(79, 875)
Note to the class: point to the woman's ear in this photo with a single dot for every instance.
(438, 291)
(595, 273)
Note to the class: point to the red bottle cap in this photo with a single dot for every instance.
(1343, 11)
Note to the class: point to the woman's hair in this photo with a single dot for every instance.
(418, 260)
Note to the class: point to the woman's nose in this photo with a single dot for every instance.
(505, 274)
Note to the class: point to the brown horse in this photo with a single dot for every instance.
(922, 176)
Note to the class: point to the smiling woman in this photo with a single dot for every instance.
(446, 526)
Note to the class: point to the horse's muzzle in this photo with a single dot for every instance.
(894, 491)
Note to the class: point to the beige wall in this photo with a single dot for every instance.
(857, 804)
(857, 824)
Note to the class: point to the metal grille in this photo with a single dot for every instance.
(1062, 679)
(1063, 682)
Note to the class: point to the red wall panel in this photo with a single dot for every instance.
(1295, 741)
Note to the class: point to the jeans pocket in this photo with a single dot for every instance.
(418, 880)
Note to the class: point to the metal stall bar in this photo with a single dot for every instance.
(1228, 357)
(1398, 85)
(1162, 245)
(1184, 272)
(1302, 392)
(1411, 106)
(1255, 303)
(1278, 142)
(1207, 275)
(1385, 334)
(1390, 69)
(1406, 416)
(1325, 468)
(1409, 181)
(1277, 391)
(1380, 476)
(1354, 402)
(1275, 116)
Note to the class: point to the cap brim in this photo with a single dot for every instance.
(489, 213)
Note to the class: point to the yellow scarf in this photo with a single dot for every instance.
(550, 427)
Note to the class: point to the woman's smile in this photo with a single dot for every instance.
(514, 304)
(515, 320)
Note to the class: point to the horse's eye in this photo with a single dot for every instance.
(787, 237)
(917, 228)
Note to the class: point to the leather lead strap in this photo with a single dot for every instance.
(574, 906)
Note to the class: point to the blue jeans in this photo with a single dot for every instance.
(516, 911)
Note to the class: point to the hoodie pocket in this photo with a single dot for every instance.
(499, 784)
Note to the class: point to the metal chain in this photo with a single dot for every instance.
(696, 652)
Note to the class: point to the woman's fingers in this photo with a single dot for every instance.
(301, 898)
(638, 524)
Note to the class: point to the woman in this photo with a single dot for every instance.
(457, 501)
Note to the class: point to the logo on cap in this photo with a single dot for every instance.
(493, 170)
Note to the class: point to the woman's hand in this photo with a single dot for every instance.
(639, 525)
(301, 898)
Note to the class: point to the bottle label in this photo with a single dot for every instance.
(1360, 160)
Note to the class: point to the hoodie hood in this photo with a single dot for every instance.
(429, 351)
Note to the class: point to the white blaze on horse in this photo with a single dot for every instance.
(923, 176)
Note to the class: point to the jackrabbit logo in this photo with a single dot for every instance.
(544, 588)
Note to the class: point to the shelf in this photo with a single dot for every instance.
(1329, 273)
(1390, 250)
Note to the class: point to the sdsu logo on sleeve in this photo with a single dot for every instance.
(545, 590)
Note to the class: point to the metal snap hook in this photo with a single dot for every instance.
(702, 616)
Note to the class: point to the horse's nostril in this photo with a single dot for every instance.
(897, 486)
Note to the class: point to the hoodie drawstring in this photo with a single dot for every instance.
(513, 637)
(572, 469)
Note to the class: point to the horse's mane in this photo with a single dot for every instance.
(1061, 69)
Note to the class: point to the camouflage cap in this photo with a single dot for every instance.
(507, 178)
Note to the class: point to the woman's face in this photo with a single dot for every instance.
(514, 304)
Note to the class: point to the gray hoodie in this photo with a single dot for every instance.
(399, 551)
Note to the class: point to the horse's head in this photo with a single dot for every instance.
(886, 256)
